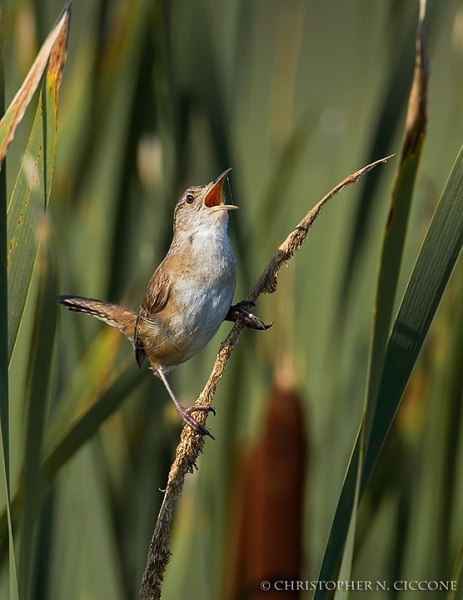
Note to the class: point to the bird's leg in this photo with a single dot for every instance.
(185, 413)
(241, 312)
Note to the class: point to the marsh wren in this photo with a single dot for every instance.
(189, 294)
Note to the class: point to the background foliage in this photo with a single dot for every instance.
(294, 96)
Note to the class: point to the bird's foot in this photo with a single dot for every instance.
(185, 414)
(241, 312)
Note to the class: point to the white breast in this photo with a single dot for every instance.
(206, 291)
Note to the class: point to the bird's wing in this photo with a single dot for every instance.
(155, 299)
(157, 293)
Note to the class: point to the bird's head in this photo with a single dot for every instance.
(203, 207)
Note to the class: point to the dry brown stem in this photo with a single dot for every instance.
(191, 443)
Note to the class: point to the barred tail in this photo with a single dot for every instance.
(117, 316)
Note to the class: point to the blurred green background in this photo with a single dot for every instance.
(294, 95)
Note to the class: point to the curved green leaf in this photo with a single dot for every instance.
(92, 395)
(121, 382)
(342, 540)
(21, 101)
(33, 186)
(429, 279)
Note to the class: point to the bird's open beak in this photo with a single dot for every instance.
(214, 197)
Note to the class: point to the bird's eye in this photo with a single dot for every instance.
(189, 198)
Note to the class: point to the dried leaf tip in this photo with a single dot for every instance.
(59, 51)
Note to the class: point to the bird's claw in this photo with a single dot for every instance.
(241, 312)
(185, 413)
(201, 407)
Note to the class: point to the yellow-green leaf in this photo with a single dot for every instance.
(33, 185)
(13, 116)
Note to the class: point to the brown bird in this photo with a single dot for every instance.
(189, 294)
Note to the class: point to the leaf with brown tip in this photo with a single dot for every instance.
(54, 46)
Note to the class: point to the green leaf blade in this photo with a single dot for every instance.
(430, 277)
(435, 263)
(41, 361)
(21, 101)
(33, 187)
